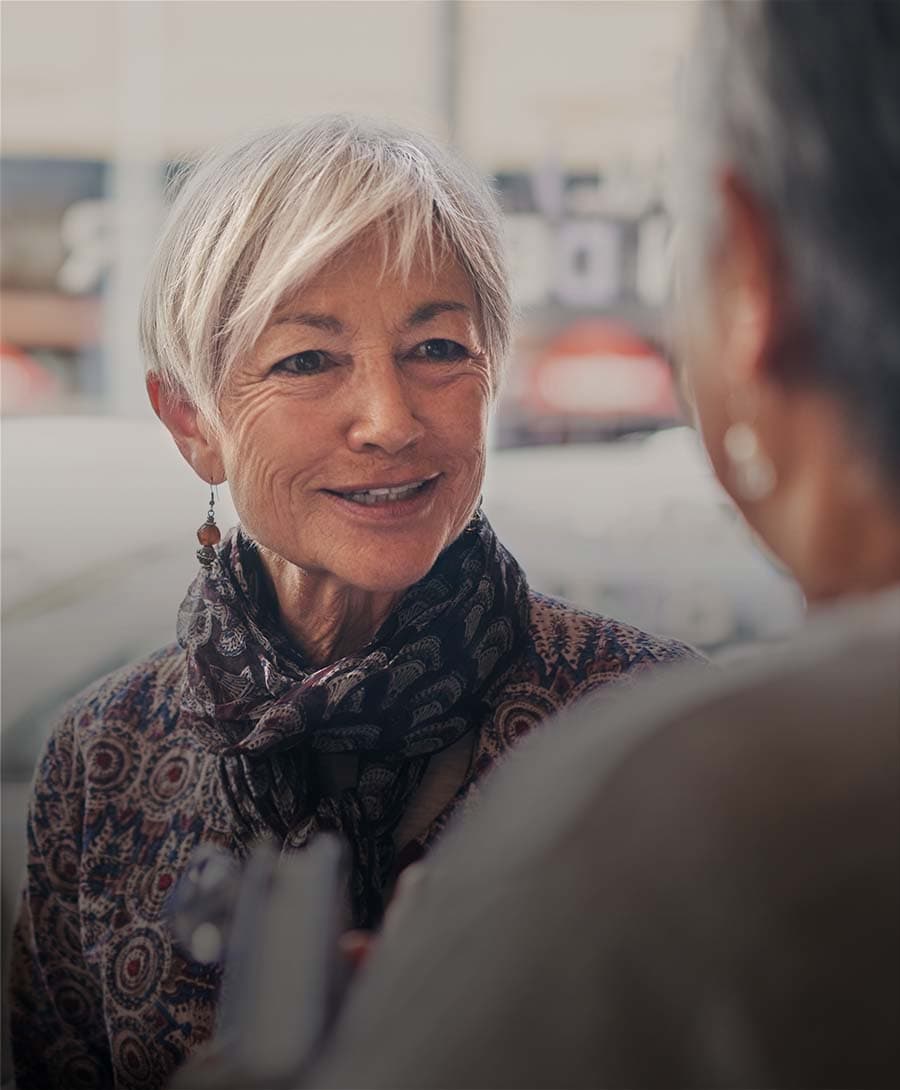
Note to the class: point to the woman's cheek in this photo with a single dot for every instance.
(471, 402)
(259, 481)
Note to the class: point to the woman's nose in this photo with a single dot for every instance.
(383, 416)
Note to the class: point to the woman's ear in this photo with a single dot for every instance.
(749, 274)
(193, 437)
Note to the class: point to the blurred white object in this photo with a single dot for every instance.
(99, 523)
(640, 530)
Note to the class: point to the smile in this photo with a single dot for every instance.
(381, 495)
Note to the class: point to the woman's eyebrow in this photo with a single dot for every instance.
(427, 311)
(318, 321)
(330, 324)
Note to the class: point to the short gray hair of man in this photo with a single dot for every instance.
(802, 101)
(251, 224)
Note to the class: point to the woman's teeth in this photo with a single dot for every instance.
(373, 496)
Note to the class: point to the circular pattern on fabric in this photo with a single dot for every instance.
(137, 965)
(76, 1070)
(133, 1058)
(518, 716)
(169, 778)
(111, 762)
(82, 1071)
(63, 866)
(56, 919)
(74, 996)
(57, 766)
(73, 1004)
(148, 891)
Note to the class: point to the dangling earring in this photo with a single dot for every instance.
(752, 471)
(208, 535)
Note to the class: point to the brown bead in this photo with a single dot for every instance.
(208, 534)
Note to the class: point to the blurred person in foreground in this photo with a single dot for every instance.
(325, 326)
(707, 892)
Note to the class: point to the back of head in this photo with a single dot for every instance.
(803, 101)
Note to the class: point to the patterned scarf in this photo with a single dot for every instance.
(415, 690)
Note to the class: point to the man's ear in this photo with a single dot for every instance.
(749, 276)
(192, 435)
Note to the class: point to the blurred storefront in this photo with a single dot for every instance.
(566, 105)
(53, 266)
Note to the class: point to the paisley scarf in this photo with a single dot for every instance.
(417, 688)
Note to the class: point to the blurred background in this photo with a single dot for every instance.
(595, 484)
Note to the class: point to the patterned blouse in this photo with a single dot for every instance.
(101, 994)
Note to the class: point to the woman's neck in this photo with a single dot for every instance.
(834, 518)
(858, 554)
(325, 618)
(842, 522)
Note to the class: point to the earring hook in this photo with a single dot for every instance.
(209, 535)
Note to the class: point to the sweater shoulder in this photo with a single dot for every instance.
(134, 696)
(593, 648)
(101, 740)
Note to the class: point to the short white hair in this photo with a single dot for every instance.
(251, 224)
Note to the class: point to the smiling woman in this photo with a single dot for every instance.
(325, 325)
(391, 391)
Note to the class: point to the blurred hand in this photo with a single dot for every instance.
(356, 946)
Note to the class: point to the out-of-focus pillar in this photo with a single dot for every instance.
(448, 66)
(136, 191)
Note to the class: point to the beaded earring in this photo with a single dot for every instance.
(208, 535)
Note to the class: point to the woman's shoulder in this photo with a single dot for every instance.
(102, 735)
(590, 646)
(149, 688)
(570, 653)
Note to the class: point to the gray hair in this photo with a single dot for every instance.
(251, 224)
(802, 101)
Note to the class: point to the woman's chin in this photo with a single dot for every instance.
(391, 558)
(386, 574)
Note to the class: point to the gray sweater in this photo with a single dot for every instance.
(704, 893)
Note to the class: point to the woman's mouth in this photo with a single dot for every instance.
(395, 500)
(372, 497)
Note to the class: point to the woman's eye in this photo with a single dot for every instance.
(441, 350)
(303, 363)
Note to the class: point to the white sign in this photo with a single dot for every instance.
(589, 258)
(577, 262)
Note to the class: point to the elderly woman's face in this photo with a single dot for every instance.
(354, 433)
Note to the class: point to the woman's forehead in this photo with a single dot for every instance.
(361, 274)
